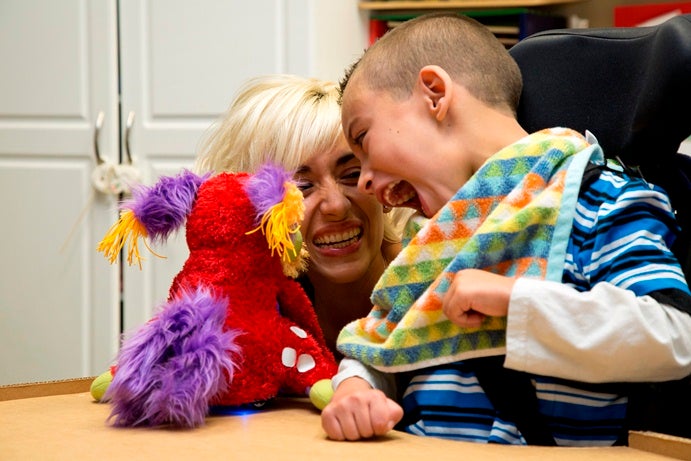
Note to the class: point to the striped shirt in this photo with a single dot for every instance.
(621, 234)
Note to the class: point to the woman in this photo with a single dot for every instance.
(296, 122)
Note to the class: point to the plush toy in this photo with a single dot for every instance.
(236, 328)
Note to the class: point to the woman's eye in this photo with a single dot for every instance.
(351, 177)
(304, 186)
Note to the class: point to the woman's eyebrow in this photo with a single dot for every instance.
(345, 158)
(303, 169)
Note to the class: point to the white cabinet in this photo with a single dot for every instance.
(59, 304)
(169, 67)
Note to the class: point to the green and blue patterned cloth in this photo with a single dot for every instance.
(513, 217)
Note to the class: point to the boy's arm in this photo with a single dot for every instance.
(358, 409)
(605, 335)
(621, 325)
(376, 379)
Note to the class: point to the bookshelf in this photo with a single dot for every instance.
(509, 20)
(381, 5)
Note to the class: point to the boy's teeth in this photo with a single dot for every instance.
(394, 200)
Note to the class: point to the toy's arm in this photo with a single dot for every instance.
(296, 306)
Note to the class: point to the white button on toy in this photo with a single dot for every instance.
(299, 332)
(288, 357)
(305, 363)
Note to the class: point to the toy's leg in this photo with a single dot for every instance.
(171, 368)
(259, 376)
(305, 361)
(288, 361)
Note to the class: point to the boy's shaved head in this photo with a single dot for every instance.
(463, 47)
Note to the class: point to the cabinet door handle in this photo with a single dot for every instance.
(128, 129)
(97, 134)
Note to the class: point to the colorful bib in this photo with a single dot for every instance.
(513, 217)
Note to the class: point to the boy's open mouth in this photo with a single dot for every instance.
(401, 194)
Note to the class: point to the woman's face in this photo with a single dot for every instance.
(343, 228)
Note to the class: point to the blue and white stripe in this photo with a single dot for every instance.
(622, 232)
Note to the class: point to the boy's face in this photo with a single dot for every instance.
(400, 149)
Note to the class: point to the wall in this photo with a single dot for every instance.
(344, 29)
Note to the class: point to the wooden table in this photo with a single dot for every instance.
(73, 427)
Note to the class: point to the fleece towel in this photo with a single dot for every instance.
(513, 217)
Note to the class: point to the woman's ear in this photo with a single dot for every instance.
(436, 87)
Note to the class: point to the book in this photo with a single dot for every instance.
(648, 14)
(509, 25)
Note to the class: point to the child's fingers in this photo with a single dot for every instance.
(470, 319)
(343, 426)
(350, 424)
(331, 425)
(337, 421)
(383, 415)
(373, 415)
(360, 416)
(363, 425)
(395, 413)
(348, 418)
(474, 294)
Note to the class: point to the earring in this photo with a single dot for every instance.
(387, 209)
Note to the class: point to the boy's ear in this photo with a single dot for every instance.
(436, 86)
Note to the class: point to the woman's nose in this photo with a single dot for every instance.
(334, 201)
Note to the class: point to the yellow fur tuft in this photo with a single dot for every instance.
(128, 230)
(281, 221)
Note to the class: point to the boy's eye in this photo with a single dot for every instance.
(358, 140)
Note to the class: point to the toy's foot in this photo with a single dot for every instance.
(100, 385)
(320, 393)
(225, 410)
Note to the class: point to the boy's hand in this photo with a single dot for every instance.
(475, 294)
(357, 411)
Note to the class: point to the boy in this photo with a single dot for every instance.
(534, 289)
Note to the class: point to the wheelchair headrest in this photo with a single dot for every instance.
(630, 86)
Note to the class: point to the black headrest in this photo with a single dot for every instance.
(630, 86)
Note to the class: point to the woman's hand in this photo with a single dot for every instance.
(475, 294)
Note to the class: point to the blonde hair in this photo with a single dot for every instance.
(281, 118)
(284, 119)
(462, 46)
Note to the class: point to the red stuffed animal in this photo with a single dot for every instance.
(236, 329)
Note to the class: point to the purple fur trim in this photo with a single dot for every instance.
(171, 368)
(266, 187)
(164, 207)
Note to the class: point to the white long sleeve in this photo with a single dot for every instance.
(605, 335)
(348, 368)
